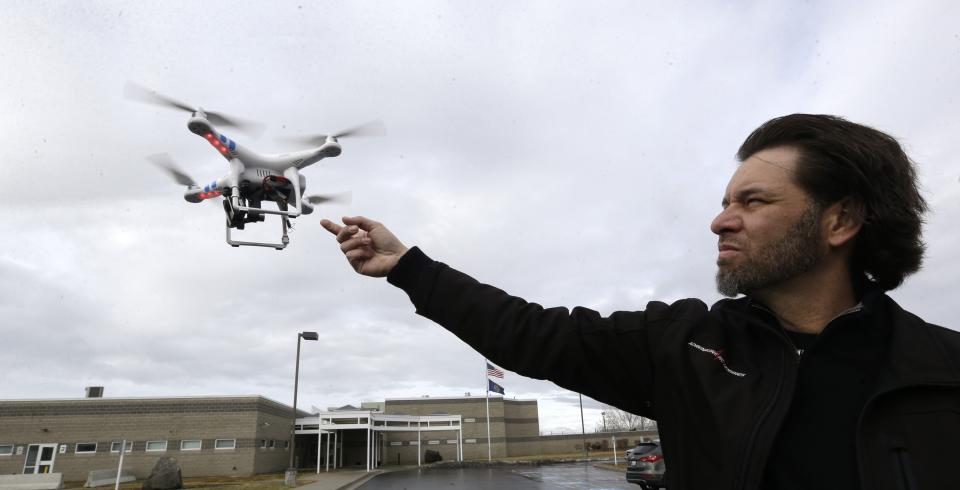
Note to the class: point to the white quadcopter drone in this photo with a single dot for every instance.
(252, 178)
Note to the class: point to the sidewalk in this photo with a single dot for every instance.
(344, 479)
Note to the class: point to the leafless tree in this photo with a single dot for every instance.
(614, 419)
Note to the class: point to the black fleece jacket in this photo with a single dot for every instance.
(719, 381)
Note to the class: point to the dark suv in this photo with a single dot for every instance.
(645, 466)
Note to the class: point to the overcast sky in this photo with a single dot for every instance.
(572, 153)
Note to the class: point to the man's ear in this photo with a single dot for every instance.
(842, 221)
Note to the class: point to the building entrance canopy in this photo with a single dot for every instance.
(330, 424)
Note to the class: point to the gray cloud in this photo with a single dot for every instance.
(572, 156)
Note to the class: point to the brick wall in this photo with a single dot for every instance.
(105, 420)
(514, 427)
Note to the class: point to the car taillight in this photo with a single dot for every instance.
(653, 458)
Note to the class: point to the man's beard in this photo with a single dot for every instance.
(797, 252)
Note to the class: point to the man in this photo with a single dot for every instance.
(815, 379)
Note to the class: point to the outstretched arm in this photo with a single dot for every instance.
(609, 359)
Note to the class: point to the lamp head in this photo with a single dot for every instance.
(309, 336)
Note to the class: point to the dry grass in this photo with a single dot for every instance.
(266, 481)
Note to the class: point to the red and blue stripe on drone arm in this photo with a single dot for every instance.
(229, 142)
(223, 144)
(210, 190)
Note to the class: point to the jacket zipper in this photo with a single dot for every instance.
(745, 468)
(796, 349)
(906, 471)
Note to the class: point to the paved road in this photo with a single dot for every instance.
(502, 478)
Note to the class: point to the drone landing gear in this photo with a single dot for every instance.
(237, 219)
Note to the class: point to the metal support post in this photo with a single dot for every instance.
(123, 449)
(319, 444)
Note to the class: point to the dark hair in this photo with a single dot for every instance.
(840, 159)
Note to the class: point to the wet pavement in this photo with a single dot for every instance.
(577, 476)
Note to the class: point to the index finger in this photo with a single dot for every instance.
(330, 226)
(362, 222)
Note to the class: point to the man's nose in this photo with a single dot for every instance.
(728, 221)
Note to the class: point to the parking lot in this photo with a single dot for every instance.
(498, 478)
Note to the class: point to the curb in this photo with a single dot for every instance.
(359, 481)
(502, 463)
(369, 476)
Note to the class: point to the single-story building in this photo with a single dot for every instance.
(245, 435)
(224, 435)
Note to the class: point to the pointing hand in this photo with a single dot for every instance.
(370, 247)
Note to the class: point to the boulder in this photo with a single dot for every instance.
(431, 456)
(164, 476)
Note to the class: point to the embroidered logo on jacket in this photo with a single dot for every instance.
(718, 355)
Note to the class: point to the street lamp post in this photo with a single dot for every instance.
(583, 433)
(291, 476)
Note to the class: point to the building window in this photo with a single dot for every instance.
(273, 443)
(469, 441)
(470, 419)
(225, 444)
(263, 443)
(153, 446)
(286, 445)
(86, 447)
(433, 442)
(396, 443)
(191, 445)
(451, 441)
(115, 446)
(6, 449)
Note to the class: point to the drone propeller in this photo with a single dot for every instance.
(340, 198)
(166, 163)
(142, 94)
(369, 129)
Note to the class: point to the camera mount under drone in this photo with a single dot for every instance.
(252, 178)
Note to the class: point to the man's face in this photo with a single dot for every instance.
(769, 229)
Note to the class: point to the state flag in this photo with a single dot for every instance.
(491, 386)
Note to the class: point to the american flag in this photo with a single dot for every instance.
(493, 371)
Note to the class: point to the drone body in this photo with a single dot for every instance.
(252, 178)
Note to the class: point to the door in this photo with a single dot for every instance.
(39, 458)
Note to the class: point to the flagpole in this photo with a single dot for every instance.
(486, 384)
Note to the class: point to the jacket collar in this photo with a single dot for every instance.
(918, 353)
